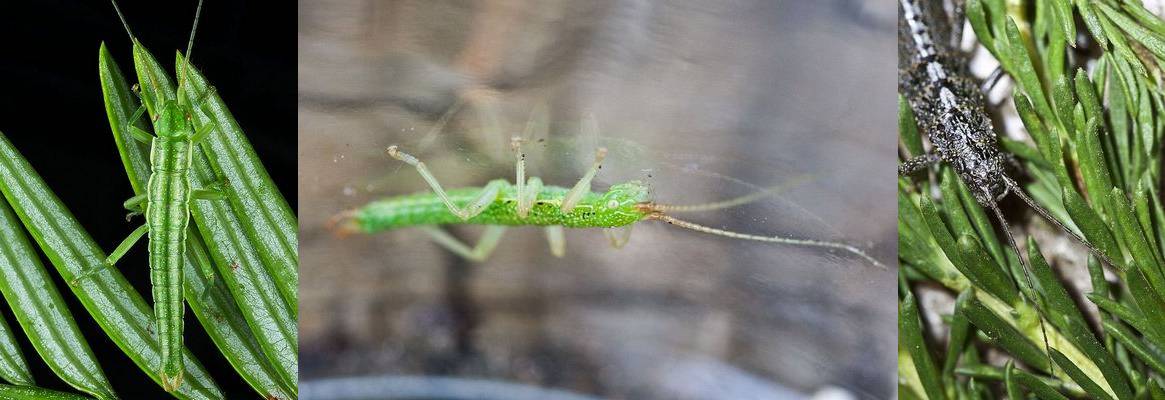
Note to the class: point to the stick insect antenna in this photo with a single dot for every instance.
(1028, 277)
(1048, 216)
(771, 239)
(772, 190)
(123, 22)
(189, 51)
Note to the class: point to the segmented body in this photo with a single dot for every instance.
(167, 212)
(946, 100)
(593, 211)
(950, 107)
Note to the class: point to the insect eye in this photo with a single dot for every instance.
(612, 204)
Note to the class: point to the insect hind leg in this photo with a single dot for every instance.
(113, 257)
(480, 252)
(476, 206)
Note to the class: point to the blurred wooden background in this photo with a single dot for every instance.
(693, 96)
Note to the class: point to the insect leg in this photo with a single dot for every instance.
(917, 163)
(992, 80)
(488, 194)
(527, 191)
(126, 244)
(485, 245)
(618, 236)
(201, 134)
(584, 185)
(135, 203)
(135, 206)
(526, 199)
(207, 193)
(115, 255)
(959, 12)
(139, 134)
(557, 242)
(520, 171)
(134, 131)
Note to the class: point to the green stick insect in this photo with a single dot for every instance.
(530, 203)
(166, 207)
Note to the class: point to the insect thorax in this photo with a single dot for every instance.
(173, 122)
(947, 102)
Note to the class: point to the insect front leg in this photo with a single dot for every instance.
(917, 163)
(201, 134)
(487, 195)
(115, 255)
(619, 236)
(137, 133)
(485, 245)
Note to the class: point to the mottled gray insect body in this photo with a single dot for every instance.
(948, 105)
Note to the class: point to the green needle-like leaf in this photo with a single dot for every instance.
(1068, 319)
(1006, 335)
(254, 287)
(8, 392)
(207, 295)
(13, 368)
(1129, 340)
(42, 313)
(114, 304)
(267, 219)
(910, 329)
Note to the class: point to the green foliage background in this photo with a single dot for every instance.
(1093, 110)
(241, 268)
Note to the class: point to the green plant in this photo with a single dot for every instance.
(240, 264)
(1095, 165)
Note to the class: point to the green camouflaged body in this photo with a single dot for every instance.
(593, 211)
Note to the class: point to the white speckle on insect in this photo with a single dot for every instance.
(612, 204)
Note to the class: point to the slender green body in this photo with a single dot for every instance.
(500, 204)
(617, 207)
(167, 212)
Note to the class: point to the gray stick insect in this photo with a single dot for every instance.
(166, 206)
(950, 107)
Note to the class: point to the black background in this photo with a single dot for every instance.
(51, 109)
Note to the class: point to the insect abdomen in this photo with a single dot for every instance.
(168, 213)
(428, 209)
